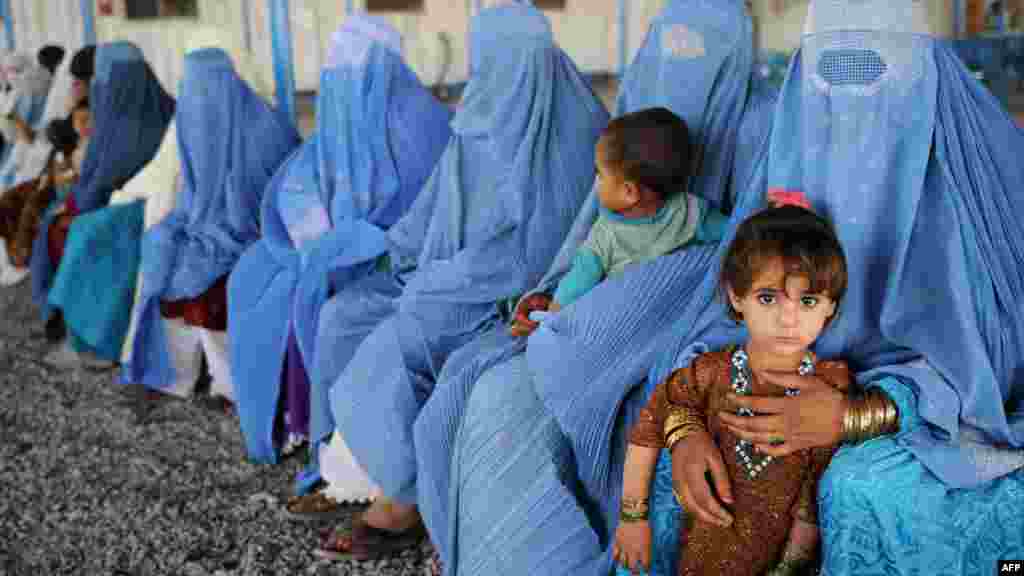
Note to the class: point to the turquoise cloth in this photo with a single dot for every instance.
(106, 241)
(615, 241)
(587, 271)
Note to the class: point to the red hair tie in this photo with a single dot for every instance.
(782, 197)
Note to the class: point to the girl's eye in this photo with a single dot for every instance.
(809, 301)
(766, 299)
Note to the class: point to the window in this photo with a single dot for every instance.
(140, 9)
(394, 5)
(550, 4)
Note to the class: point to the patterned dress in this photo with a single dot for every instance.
(764, 507)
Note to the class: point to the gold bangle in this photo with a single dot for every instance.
(869, 415)
(681, 433)
(635, 505)
(680, 423)
(634, 509)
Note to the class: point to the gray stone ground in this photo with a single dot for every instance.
(96, 482)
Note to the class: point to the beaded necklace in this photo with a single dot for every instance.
(741, 378)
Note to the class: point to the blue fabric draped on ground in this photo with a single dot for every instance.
(224, 173)
(483, 231)
(130, 111)
(379, 134)
(730, 118)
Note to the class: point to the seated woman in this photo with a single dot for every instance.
(22, 207)
(379, 133)
(911, 225)
(730, 118)
(188, 255)
(484, 229)
(158, 183)
(31, 151)
(23, 105)
(95, 281)
(82, 67)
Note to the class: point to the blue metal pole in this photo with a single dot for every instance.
(245, 7)
(958, 18)
(623, 37)
(88, 21)
(5, 9)
(281, 45)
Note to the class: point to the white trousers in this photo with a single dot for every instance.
(346, 480)
(187, 345)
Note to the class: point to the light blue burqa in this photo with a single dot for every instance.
(932, 229)
(95, 283)
(890, 137)
(516, 501)
(224, 173)
(483, 231)
(325, 215)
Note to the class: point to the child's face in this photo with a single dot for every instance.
(783, 320)
(79, 90)
(613, 190)
(82, 121)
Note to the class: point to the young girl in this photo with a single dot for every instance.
(783, 276)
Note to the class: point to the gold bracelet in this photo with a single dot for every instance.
(870, 415)
(680, 423)
(634, 509)
(682, 433)
(635, 505)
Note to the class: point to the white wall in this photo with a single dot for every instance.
(781, 31)
(40, 22)
(165, 41)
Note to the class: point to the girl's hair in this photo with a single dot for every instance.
(651, 148)
(82, 104)
(83, 63)
(805, 242)
(61, 133)
(50, 57)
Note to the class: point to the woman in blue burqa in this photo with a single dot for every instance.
(697, 60)
(187, 257)
(482, 232)
(324, 220)
(886, 133)
(94, 283)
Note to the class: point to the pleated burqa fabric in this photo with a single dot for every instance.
(326, 213)
(483, 231)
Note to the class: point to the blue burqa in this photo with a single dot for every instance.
(224, 173)
(517, 500)
(130, 113)
(483, 231)
(932, 231)
(889, 137)
(326, 212)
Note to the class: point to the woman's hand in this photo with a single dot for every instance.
(633, 545)
(785, 425)
(521, 323)
(692, 458)
(23, 131)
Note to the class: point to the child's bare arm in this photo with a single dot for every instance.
(640, 462)
(633, 536)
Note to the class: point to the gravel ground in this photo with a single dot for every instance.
(97, 482)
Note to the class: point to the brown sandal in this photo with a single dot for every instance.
(314, 507)
(364, 542)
